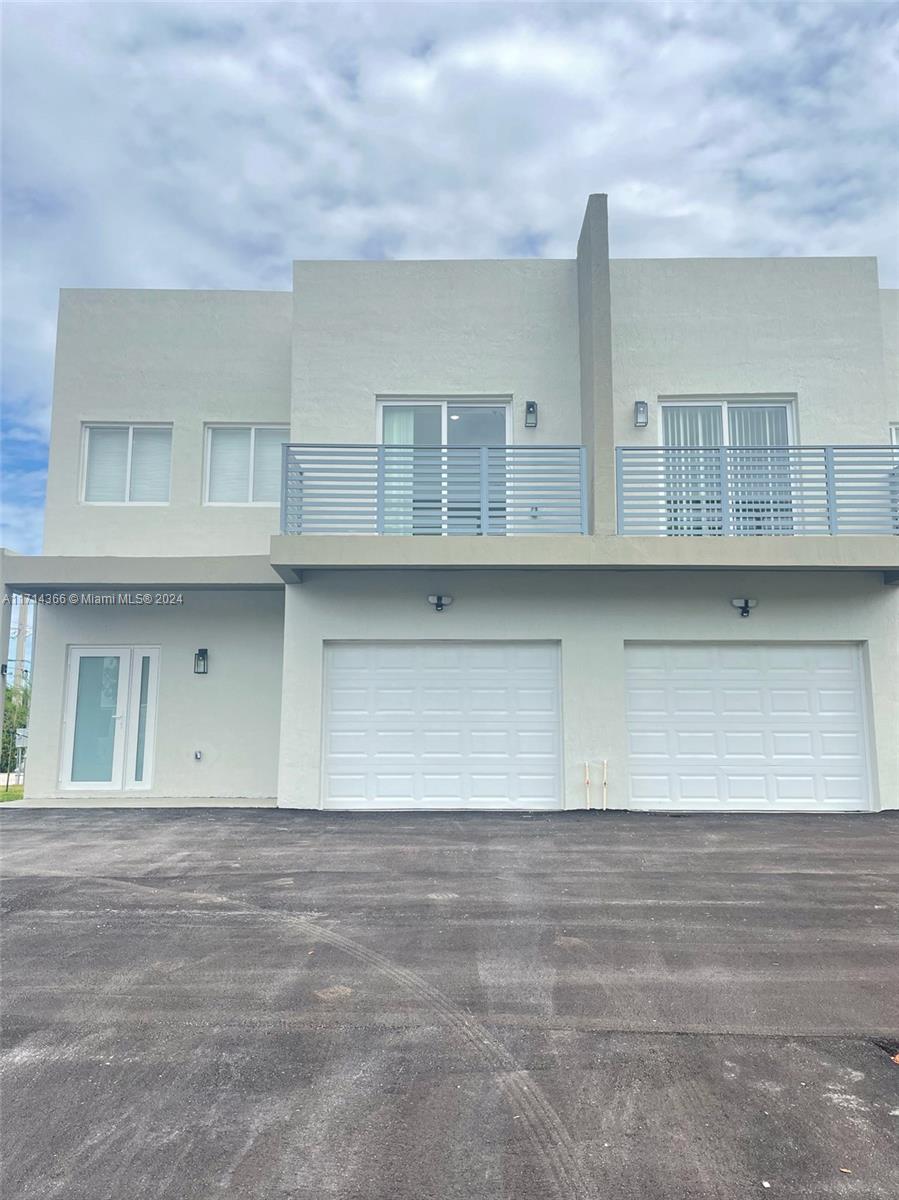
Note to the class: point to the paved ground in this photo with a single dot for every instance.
(273, 1004)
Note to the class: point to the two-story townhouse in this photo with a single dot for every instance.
(519, 534)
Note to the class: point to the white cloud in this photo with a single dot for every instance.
(205, 145)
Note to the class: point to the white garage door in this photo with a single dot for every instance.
(442, 725)
(746, 727)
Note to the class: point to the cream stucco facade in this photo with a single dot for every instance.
(584, 339)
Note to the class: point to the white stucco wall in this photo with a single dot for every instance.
(817, 328)
(364, 329)
(717, 326)
(231, 714)
(889, 311)
(182, 357)
(593, 614)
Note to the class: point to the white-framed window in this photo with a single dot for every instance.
(894, 433)
(126, 464)
(243, 463)
(705, 422)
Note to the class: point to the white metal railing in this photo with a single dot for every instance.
(510, 490)
(757, 491)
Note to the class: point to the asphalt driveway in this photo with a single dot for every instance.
(272, 1005)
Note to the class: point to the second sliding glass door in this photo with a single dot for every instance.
(710, 485)
(432, 490)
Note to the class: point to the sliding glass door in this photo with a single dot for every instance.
(695, 434)
(760, 485)
(413, 471)
(469, 480)
(110, 717)
(710, 486)
(433, 466)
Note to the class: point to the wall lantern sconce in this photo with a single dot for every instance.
(530, 414)
(745, 606)
(201, 662)
(641, 414)
(440, 602)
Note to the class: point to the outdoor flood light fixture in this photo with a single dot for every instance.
(201, 661)
(745, 606)
(641, 414)
(530, 414)
(440, 602)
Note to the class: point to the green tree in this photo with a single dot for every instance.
(15, 716)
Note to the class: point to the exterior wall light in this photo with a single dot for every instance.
(745, 606)
(530, 414)
(641, 414)
(440, 602)
(201, 662)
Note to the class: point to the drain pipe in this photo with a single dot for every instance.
(587, 783)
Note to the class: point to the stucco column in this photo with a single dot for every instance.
(595, 341)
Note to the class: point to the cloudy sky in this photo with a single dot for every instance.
(204, 145)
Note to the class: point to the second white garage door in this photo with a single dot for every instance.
(442, 725)
(746, 727)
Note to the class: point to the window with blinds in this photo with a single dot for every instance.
(127, 464)
(243, 463)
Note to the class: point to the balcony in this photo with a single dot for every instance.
(434, 490)
(733, 491)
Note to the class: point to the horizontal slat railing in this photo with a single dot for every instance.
(397, 490)
(757, 491)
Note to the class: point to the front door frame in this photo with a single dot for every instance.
(126, 717)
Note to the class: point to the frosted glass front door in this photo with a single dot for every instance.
(110, 717)
(100, 685)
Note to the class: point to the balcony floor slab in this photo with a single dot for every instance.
(292, 553)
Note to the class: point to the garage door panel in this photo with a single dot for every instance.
(342, 786)
(695, 700)
(794, 787)
(654, 788)
(742, 788)
(743, 743)
(538, 789)
(648, 742)
(439, 785)
(696, 743)
(647, 700)
(739, 702)
(487, 702)
(844, 787)
(793, 744)
(389, 700)
(836, 702)
(791, 701)
(437, 742)
(782, 725)
(349, 700)
(840, 745)
(394, 785)
(442, 725)
(391, 742)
